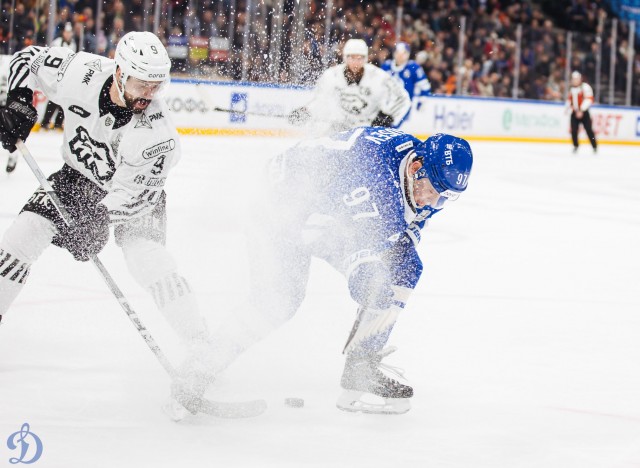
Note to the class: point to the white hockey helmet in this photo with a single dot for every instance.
(141, 55)
(355, 47)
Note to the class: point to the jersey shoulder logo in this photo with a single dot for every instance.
(95, 65)
(93, 154)
(143, 122)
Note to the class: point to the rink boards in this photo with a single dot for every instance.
(243, 109)
(261, 110)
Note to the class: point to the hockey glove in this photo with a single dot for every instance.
(299, 116)
(382, 120)
(17, 118)
(370, 285)
(88, 235)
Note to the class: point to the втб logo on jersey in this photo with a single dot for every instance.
(155, 150)
(93, 154)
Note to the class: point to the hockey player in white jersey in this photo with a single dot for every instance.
(353, 94)
(357, 200)
(119, 145)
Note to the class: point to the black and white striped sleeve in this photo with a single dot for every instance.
(41, 68)
(20, 67)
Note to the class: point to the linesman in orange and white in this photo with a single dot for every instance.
(580, 100)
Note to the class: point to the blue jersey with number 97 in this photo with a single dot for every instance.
(353, 184)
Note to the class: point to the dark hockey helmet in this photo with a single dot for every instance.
(446, 162)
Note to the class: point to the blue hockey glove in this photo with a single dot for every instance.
(17, 118)
(370, 285)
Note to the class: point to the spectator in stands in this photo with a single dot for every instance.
(90, 38)
(22, 26)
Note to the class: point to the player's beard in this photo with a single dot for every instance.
(353, 76)
(131, 104)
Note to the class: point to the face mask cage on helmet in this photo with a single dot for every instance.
(142, 56)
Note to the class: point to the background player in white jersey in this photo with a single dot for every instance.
(410, 73)
(579, 101)
(353, 94)
(358, 200)
(118, 147)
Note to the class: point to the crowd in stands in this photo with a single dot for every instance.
(432, 28)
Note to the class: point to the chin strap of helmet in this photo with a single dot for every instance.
(409, 179)
(123, 78)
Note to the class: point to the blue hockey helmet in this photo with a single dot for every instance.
(446, 162)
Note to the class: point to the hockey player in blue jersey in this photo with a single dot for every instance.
(410, 72)
(358, 200)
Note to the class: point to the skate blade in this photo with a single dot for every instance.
(361, 402)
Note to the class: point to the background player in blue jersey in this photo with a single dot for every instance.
(410, 72)
(358, 200)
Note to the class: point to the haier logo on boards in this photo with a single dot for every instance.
(447, 119)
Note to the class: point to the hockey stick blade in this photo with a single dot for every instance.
(232, 410)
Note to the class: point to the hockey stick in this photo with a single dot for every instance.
(354, 329)
(257, 114)
(225, 410)
(209, 104)
(66, 217)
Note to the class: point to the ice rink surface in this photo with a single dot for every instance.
(522, 341)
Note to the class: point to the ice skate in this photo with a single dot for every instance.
(368, 389)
